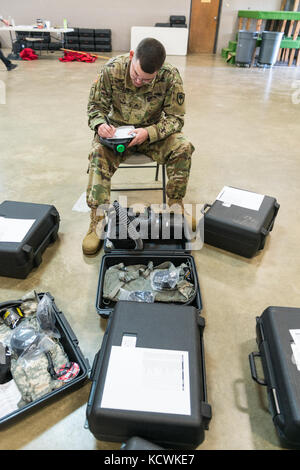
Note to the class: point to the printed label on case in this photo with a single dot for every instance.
(145, 379)
(14, 230)
(295, 334)
(240, 198)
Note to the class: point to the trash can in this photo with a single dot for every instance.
(269, 49)
(245, 47)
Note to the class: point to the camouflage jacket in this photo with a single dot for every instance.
(159, 107)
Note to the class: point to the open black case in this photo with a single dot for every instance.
(176, 249)
(161, 326)
(71, 347)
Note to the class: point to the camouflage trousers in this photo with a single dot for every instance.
(175, 152)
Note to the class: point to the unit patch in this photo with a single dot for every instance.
(180, 98)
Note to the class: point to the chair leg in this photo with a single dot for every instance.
(164, 184)
(157, 171)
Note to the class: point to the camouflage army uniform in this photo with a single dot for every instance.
(158, 107)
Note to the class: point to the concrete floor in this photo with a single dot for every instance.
(245, 127)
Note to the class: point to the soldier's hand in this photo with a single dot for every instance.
(106, 131)
(141, 135)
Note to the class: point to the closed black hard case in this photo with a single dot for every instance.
(238, 229)
(70, 344)
(86, 32)
(18, 259)
(137, 443)
(160, 327)
(281, 375)
(177, 19)
(102, 33)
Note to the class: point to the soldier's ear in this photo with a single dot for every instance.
(131, 54)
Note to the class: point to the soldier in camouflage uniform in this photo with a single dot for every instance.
(137, 89)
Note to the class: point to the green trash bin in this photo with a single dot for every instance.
(245, 47)
(269, 49)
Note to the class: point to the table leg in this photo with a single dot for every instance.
(286, 55)
(291, 28)
(258, 25)
(292, 56)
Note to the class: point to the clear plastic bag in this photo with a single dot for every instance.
(46, 317)
(28, 343)
(137, 296)
(165, 279)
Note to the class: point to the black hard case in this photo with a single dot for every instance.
(137, 443)
(161, 327)
(176, 19)
(281, 376)
(18, 259)
(86, 32)
(237, 229)
(71, 346)
(177, 251)
(102, 33)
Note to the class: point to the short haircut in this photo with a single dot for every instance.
(151, 54)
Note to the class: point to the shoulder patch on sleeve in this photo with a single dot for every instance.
(180, 98)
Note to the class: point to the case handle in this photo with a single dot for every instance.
(265, 231)
(254, 375)
(204, 208)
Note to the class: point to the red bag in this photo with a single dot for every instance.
(77, 56)
(28, 54)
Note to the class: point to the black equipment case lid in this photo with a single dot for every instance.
(70, 345)
(239, 229)
(17, 259)
(281, 371)
(176, 330)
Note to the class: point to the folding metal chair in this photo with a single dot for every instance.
(139, 160)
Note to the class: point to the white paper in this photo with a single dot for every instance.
(296, 355)
(14, 230)
(240, 198)
(81, 205)
(295, 334)
(9, 398)
(129, 341)
(144, 379)
(123, 132)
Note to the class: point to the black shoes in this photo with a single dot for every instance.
(11, 67)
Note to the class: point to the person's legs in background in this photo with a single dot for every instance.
(8, 64)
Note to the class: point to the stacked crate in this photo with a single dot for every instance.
(89, 40)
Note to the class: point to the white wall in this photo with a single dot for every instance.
(120, 15)
(229, 18)
(117, 15)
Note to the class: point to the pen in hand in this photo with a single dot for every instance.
(107, 121)
(106, 130)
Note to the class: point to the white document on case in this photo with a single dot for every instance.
(240, 198)
(14, 230)
(295, 334)
(145, 379)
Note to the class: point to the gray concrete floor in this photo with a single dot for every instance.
(245, 127)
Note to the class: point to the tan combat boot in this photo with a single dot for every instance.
(93, 241)
(176, 206)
